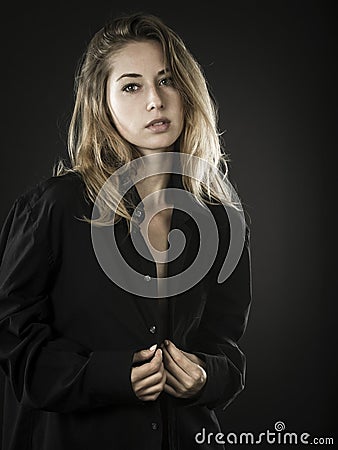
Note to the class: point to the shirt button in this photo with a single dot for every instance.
(138, 213)
(152, 329)
(154, 425)
(147, 277)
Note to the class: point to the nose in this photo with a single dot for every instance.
(154, 100)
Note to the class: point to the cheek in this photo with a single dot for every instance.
(181, 113)
(120, 112)
(179, 107)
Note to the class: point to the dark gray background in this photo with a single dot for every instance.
(271, 67)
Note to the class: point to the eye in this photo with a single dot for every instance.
(168, 81)
(131, 87)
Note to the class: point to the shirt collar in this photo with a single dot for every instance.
(179, 216)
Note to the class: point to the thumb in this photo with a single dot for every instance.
(145, 354)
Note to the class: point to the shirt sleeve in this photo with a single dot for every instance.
(223, 323)
(47, 371)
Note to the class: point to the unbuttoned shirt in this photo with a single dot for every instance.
(68, 332)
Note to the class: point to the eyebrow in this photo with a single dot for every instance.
(137, 75)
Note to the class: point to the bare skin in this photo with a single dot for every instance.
(148, 380)
(171, 370)
(147, 110)
(185, 374)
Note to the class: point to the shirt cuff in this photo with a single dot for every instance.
(108, 378)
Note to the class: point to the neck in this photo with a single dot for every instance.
(161, 168)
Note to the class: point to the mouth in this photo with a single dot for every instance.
(160, 124)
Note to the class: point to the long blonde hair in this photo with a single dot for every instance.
(97, 150)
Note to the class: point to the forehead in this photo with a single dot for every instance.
(138, 57)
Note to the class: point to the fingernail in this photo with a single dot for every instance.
(166, 343)
(152, 348)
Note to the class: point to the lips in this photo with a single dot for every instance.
(158, 122)
(159, 125)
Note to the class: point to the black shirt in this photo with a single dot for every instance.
(68, 332)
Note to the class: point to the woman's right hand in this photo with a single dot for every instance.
(148, 379)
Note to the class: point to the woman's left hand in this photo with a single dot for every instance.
(185, 374)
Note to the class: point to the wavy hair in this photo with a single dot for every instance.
(96, 149)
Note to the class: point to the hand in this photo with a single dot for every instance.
(148, 379)
(185, 374)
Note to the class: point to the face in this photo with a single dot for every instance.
(146, 107)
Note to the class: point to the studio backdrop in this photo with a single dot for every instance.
(270, 67)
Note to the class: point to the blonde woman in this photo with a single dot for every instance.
(90, 364)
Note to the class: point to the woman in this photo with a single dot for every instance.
(88, 363)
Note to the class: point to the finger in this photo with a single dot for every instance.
(169, 390)
(179, 357)
(145, 354)
(152, 380)
(175, 370)
(147, 369)
(152, 389)
(149, 398)
(184, 381)
(176, 389)
(173, 382)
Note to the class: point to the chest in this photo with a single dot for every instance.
(155, 233)
(77, 307)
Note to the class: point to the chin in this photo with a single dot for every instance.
(159, 147)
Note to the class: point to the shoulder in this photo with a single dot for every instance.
(54, 196)
(231, 220)
(60, 191)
